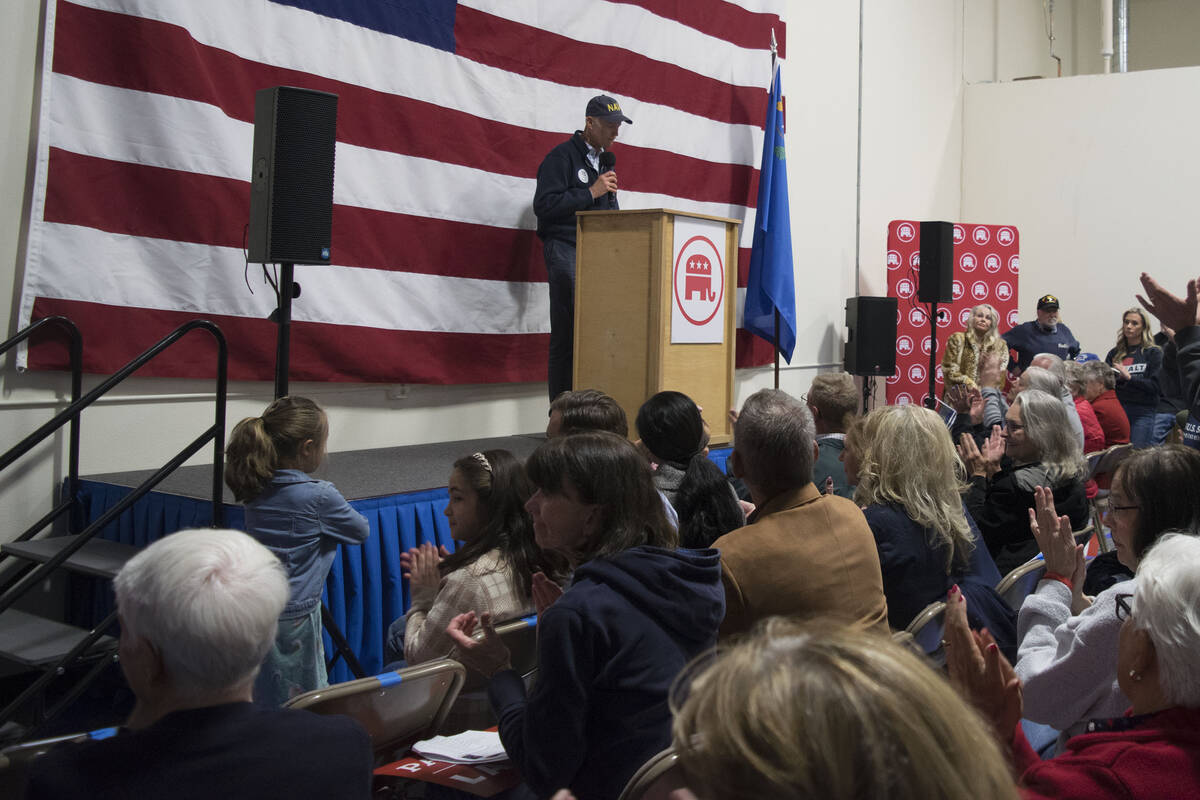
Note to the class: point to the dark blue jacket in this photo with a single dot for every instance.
(1141, 389)
(564, 186)
(1188, 342)
(608, 650)
(1029, 339)
(915, 575)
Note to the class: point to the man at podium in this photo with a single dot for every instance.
(577, 175)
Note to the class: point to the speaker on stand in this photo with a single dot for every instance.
(291, 194)
(935, 286)
(871, 339)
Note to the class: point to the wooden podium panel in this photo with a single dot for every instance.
(624, 290)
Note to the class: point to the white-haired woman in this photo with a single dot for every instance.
(1037, 447)
(1152, 751)
(910, 484)
(960, 364)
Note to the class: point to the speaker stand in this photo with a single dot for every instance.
(283, 318)
(931, 398)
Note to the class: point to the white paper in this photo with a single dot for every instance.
(468, 747)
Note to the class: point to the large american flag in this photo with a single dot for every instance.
(445, 111)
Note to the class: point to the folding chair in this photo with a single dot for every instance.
(1020, 583)
(520, 636)
(926, 630)
(658, 779)
(15, 759)
(396, 708)
(1104, 462)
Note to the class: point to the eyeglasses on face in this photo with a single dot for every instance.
(1123, 607)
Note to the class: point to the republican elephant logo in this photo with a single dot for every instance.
(697, 279)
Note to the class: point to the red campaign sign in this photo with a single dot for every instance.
(987, 265)
(481, 780)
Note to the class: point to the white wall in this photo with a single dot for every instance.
(1099, 173)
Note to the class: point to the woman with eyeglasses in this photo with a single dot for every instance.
(1037, 447)
(1151, 750)
(1067, 640)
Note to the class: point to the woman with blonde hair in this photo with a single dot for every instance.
(1137, 360)
(809, 711)
(910, 484)
(960, 364)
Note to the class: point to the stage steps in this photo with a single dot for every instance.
(35, 641)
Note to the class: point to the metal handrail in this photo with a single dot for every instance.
(216, 433)
(75, 352)
(23, 580)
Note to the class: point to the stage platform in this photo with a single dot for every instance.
(400, 490)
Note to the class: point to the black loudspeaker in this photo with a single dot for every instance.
(291, 179)
(871, 344)
(937, 263)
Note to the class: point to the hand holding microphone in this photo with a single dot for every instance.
(607, 182)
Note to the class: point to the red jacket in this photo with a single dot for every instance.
(1112, 418)
(1093, 434)
(1154, 758)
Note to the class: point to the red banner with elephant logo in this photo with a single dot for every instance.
(987, 266)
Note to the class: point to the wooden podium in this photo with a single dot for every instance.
(632, 285)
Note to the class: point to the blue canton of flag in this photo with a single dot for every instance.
(771, 283)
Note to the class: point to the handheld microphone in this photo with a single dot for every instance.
(608, 162)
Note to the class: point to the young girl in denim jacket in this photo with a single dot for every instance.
(300, 519)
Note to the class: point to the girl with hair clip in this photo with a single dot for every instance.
(493, 569)
(1137, 360)
(301, 520)
(674, 436)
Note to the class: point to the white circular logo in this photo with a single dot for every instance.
(1004, 290)
(916, 373)
(904, 345)
(905, 288)
(915, 259)
(893, 259)
(980, 235)
(906, 232)
(960, 235)
(963, 316)
(939, 375)
(991, 262)
(1006, 236)
(582, 175)
(1013, 317)
(1014, 265)
(699, 281)
(979, 290)
(916, 316)
(903, 399)
(943, 318)
(926, 346)
(967, 262)
(893, 379)
(956, 287)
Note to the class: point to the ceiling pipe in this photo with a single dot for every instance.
(1106, 34)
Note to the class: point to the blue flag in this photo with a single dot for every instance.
(771, 283)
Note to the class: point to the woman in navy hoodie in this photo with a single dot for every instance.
(635, 612)
(1137, 360)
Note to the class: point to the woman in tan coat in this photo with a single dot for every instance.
(960, 364)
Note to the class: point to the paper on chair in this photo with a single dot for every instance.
(468, 747)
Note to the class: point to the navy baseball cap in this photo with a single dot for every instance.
(606, 108)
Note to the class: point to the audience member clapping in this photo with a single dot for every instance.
(910, 482)
(1180, 315)
(1153, 750)
(801, 553)
(198, 612)
(812, 712)
(492, 570)
(636, 611)
(1035, 448)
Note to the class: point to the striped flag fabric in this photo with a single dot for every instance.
(445, 110)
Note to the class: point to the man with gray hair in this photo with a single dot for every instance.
(801, 553)
(198, 611)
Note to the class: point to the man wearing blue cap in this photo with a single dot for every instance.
(1046, 335)
(576, 175)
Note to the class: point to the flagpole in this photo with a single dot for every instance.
(770, 88)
